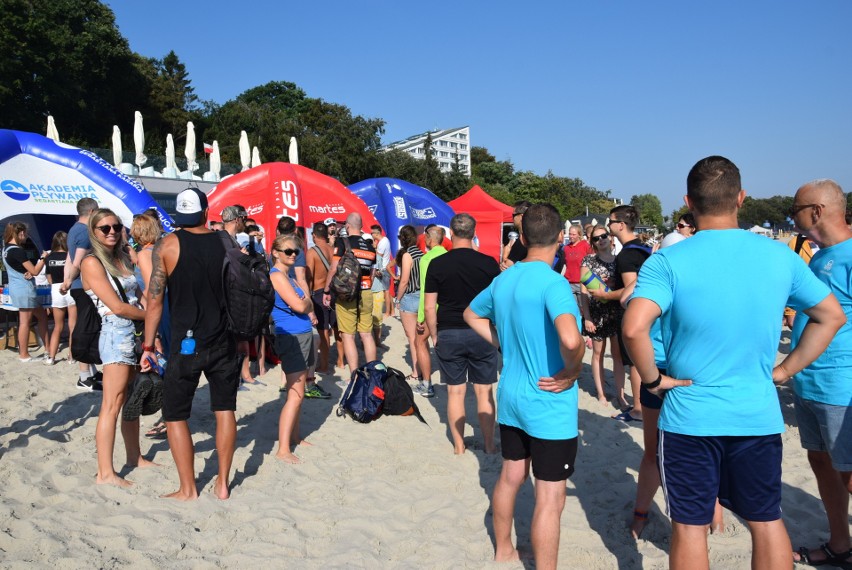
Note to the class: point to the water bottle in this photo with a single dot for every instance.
(593, 282)
(187, 345)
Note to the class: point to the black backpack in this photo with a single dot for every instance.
(248, 292)
(346, 283)
(399, 398)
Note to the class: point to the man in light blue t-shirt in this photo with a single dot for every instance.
(537, 321)
(720, 296)
(823, 390)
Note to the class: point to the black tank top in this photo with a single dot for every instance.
(195, 290)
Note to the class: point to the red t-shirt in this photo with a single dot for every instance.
(574, 254)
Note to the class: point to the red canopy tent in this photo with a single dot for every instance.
(277, 189)
(490, 215)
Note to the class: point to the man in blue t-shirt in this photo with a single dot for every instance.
(537, 322)
(78, 248)
(721, 425)
(823, 390)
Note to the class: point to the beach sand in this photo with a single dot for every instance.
(390, 494)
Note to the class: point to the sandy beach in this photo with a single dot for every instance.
(390, 494)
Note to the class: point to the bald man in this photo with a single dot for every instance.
(823, 390)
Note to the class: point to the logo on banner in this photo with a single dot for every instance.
(327, 209)
(47, 193)
(287, 201)
(424, 214)
(373, 208)
(399, 207)
(15, 190)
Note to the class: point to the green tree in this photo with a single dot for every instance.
(172, 100)
(650, 210)
(67, 58)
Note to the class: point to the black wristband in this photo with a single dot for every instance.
(326, 292)
(654, 384)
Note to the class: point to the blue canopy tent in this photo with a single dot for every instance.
(396, 203)
(41, 182)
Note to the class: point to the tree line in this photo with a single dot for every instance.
(67, 58)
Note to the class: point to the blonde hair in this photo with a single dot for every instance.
(145, 229)
(116, 261)
(284, 238)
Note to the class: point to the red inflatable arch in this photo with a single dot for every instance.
(277, 189)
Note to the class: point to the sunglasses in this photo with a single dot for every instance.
(596, 239)
(289, 251)
(105, 229)
(791, 213)
(681, 225)
(609, 222)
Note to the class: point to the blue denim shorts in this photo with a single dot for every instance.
(824, 427)
(116, 343)
(410, 302)
(23, 296)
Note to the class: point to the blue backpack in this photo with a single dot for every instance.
(364, 397)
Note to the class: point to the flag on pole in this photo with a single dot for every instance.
(208, 148)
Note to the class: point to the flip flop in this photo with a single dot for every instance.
(836, 559)
(156, 432)
(626, 418)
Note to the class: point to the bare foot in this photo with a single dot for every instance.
(113, 479)
(181, 496)
(142, 463)
(221, 490)
(288, 458)
(304, 442)
(603, 401)
(510, 556)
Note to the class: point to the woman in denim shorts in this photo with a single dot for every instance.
(408, 292)
(105, 273)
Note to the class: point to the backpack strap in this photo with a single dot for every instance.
(322, 257)
(800, 242)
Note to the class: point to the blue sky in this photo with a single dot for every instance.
(625, 95)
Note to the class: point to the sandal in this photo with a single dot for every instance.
(157, 432)
(837, 559)
(413, 378)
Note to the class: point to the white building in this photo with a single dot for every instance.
(447, 146)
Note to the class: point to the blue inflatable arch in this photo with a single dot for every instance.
(39, 176)
(396, 203)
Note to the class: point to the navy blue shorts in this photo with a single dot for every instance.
(743, 471)
(464, 356)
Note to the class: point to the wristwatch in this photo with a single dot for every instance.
(654, 384)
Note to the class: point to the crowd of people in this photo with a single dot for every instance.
(699, 350)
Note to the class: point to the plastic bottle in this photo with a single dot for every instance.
(187, 345)
(592, 282)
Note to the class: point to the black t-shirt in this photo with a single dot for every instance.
(15, 258)
(457, 277)
(518, 251)
(56, 266)
(629, 260)
(364, 253)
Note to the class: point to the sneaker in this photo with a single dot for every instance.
(48, 361)
(428, 392)
(342, 384)
(317, 392)
(91, 384)
(420, 388)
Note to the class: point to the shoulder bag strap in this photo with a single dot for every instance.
(322, 257)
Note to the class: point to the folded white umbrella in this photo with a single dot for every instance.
(255, 157)
(116, 146)
(139, 140)
(293, 153)
(52, 133)
(245, 151)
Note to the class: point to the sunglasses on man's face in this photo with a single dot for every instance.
(596, 239)
(289, 251)
(105, 229)
(681, 225)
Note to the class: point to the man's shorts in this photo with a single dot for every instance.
(552, 459)
(743, 471)
(58, 300)
(296, 351)
(348, 311)
(378, 308)
(220, 365)
(824, 427)
(325, 315)
(463, 355)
